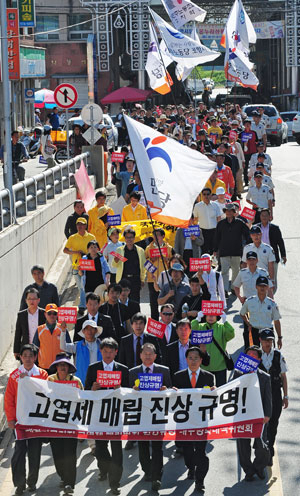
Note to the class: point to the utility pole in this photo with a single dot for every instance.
(7, 155)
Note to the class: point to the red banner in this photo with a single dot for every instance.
(212, 307)
(69, 383)
(248, 213)
(109, 378)
(199, 263)
(12, 16)
(67, 314)
(117, 255)
(85, 264)
(156, 328)
(155, 253)
(232, 135)
(118, 157)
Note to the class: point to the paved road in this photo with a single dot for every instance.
(225, 476)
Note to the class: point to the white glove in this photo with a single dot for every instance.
(200, 316)
(223, 317)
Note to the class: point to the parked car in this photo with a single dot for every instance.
(296, 127)
(288, 117)
(277, 133)
(221, 98)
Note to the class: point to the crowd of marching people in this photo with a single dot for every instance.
(111, 331)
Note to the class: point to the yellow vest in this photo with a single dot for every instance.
(97, 226)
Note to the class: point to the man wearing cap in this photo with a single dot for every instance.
(265, 253)
(134, 211)
(228, 242)
(260, 311)
(260, 196)
(274, 364)
(87, 350)
(262, 454)
(204, 144)
(259, 128)
(207, 214)
(221, 200)
(70, 227)
(249, 139)
(47, 337)
(176, 289)
(266, 180)
(247, 278)
(260, 151)
(98, 218)
(76, 246)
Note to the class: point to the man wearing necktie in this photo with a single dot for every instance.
(152, 466)
(194, 451)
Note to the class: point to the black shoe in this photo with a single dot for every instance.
(115, 490)
(31, 489)
(102, 477)
(199, 487)
(249, 477)
(81, 311)
(20, 490)
(147, 477)
(129, 445)
(191, 474)
(156, 485)
(261, 474)
(68, 489)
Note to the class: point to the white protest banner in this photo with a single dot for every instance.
(172, 174)
(182, 11)
(181, 48)
(159, 79)
(49, 409)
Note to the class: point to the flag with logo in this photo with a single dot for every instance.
(182, 11)
(181, 48)
(160, 80)
(182, 73)
(238, 33)
(172, 174)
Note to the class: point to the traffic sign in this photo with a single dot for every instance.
(91, 114)
(91, 135)
(29, 95)
(65, 95)
(214, 45)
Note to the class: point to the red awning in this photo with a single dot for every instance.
(126, 94)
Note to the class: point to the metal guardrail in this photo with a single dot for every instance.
(37, 190)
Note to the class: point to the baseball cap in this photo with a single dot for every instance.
(261, 155)
(266, 333)
(260, 165)
(255, 230)
(220, 191)
(255, 113)
(93, 324)
(178, 267)
(260, 143)
(235, 123)
(51, 306)
(251, 254)
(113, 229)
(262, 281)
(81, 220)
(228, 206)
(247, 120)
(258, 174)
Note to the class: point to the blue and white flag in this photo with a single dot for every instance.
(183, 11)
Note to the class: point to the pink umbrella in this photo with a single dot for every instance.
(44, 99)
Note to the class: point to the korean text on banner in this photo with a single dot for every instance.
(56, 410)
(150, 382)
(85, 264)
(84, 185)
(246, 363)
(184, 11)
(155, 253)
(164, 178)
(212, 307)
(13, 43)
(67, 314)
(202, 337)
(248, 213)
(118, 157)
(191, 231)
(156, 328)
(119, 256)
(109, 378)
(200, 263)
(150, 267)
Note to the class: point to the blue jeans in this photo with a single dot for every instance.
(79, 284)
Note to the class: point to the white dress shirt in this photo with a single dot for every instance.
(108, 366)
(267, 360)
(32, 372)
(33, 323)
(207, 214)
(150, 369)
(191, 374)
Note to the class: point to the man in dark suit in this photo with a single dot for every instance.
(47, 290)
(131, 345)
(104, 321)
(28, 320)
(194, 451)
(262, 453)
(166, 316)
(132, 306)
(176, 351)
(271, 235)
(109, 465)
(152, 466)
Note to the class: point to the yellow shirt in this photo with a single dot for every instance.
(139, 213)
(157, 262)
(218, 184)
(215, 133)
(77, 242)
(97, 226)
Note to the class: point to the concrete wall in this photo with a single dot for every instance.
(37, 239)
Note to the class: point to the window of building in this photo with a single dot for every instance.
(81, 31)
(47, 23)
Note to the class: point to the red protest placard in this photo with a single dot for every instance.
(117, 255)
(227, 196)
(109, 378)
(155, 253)
(199, 263)
(248, 213)
(67, 314)
(69, 383)
(233, 135)
(118, 157)
(212, 307)
(85, 264)
(155, 328)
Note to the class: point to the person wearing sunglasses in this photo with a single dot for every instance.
(47, 338)
(166, 316)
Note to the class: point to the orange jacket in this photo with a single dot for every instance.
(225, 175)
(10, 397)
(49, 345)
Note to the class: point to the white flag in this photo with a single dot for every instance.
(181, 72)
(172, 174)
(160, 80)
(182, 11)
(236, 70)
(182, 49)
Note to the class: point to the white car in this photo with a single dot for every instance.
(296, 127)
(288, 117)
(277, 133)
